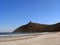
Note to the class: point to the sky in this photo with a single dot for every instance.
(14, 13)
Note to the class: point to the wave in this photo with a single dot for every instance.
(19, 34)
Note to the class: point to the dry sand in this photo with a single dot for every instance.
(47, 39)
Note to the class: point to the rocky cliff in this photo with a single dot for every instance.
(36, 27)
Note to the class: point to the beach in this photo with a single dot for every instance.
(34, 39)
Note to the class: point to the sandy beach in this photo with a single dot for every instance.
(36, 39)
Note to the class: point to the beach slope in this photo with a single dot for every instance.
(45, 39)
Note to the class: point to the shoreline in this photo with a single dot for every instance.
(17, 38)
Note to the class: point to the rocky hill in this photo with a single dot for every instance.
(36, 27)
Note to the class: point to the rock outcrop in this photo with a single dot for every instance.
(36, 27)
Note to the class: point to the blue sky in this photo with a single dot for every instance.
(14, 13)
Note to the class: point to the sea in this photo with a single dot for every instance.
(10, 34)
